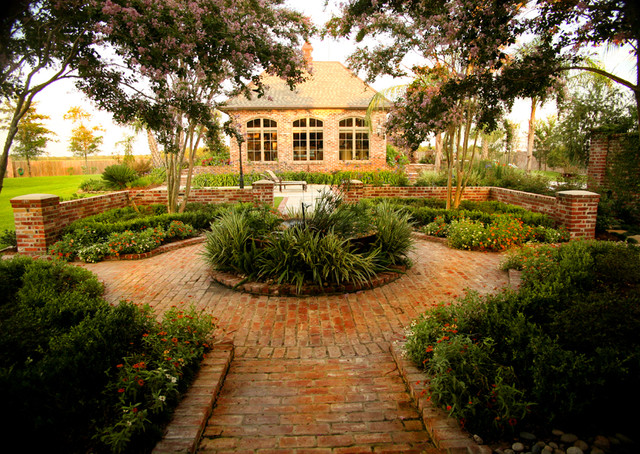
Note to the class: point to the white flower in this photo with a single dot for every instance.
(162, 398)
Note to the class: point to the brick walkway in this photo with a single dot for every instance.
(310, 374)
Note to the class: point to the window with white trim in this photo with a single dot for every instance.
(354, 139)
(262, 140)
(308, 140)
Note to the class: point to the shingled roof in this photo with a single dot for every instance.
(330, 86)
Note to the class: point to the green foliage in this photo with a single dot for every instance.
(94, 185)
(338, 243)
(8, 238)
(118, 175)
(127, 231)
(563, 350)
(377, 178)
(394, 157)
(62, 356)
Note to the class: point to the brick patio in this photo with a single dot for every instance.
(309, 374)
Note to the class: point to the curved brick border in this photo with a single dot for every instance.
(235, 282)
(182, 435)
(444, 431)
(159, 250)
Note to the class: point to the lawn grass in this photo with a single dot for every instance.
(277, 201)
(63, 186)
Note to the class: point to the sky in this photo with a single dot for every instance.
(58, 98)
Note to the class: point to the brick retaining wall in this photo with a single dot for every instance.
(39, 218)
(574, 210)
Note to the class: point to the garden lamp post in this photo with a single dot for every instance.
(240, 139)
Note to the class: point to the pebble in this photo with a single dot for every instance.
(536, 449)
(478, 439)
(557, 432)
(602, 442)
(574, 450)
(583, 445)
(547, 450)
(509, 451)
(528, 436)
(517, 447)
(569, 438)
(553, 444)
(596, 450)
(624, 439)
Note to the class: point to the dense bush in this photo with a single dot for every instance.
(79, 375)
(94, 237)
(377, 178)
(563, 350)
(118, 175)
(94, 185)
(337, 243)
(8, 238)
(492, 173)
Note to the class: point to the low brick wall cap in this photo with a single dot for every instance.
(36, 197)
(578, 192)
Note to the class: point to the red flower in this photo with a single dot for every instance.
(141, 382)
(121, 390)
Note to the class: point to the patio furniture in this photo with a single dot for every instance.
(280, 182)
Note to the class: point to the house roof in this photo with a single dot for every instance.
(330, 86)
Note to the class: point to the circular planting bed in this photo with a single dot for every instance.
(335, 249)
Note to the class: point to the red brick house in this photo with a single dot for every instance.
(317, 127)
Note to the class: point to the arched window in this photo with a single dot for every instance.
(307, 140)
(262, 140)
(354, 139)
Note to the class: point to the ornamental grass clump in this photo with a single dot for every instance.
(334, 244)
(561, 351)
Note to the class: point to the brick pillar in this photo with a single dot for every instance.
(262, 192)
(596, 170)
(35, 217)
(353, 191)
(577, 212)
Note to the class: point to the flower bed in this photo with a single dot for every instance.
(563, 350)
(125, 232)
(331, 248)
(85, 376)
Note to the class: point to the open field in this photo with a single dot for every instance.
(63, 186)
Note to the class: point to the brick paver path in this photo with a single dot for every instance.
(310, 374)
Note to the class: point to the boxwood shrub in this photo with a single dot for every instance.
(563, 351)
(77, 373)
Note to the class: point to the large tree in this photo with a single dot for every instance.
(32, 136)
(486, 36)
(174, 59)
(42, 42)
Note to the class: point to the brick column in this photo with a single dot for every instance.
(598, 151)
(36, 221)
(262, 192)
(577, 212)
(353, 191)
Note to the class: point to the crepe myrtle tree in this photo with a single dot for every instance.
(172, 61)
(457, 89)
(486, 32)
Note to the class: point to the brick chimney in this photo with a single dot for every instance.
(307, 50)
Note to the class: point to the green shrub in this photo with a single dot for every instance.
(94, 185)
(180, 230)
(393, 233)
(118, 175)
(62, 356)
(563, 350)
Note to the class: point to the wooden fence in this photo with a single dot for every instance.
(47, 168)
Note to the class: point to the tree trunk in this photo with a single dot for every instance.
(532, 129)
(438, 160)
(29, 166)
(485, 147)
(156, 157)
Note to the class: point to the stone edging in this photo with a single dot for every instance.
(235, 282)
(183, 433)
(159, 250)
(445, 432)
